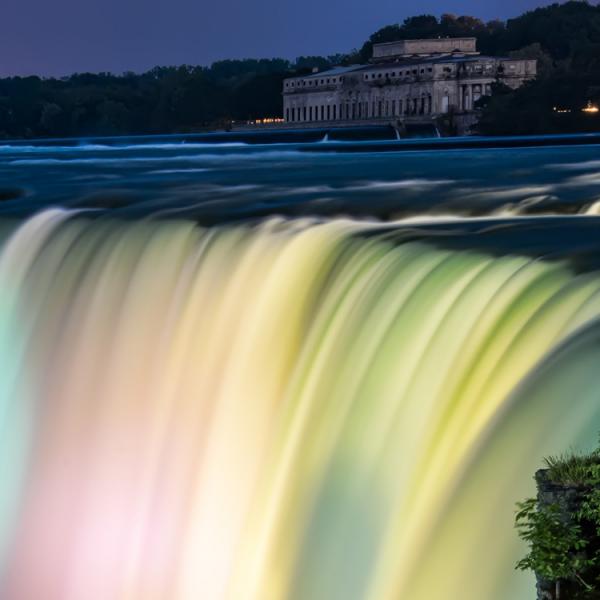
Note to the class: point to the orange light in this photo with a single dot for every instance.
(266, 121)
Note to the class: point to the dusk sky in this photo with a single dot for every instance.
(58, 37)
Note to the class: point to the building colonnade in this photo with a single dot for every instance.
(357, 109)
(470, 93)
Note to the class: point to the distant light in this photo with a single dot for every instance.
(590, 108)
(561, 110)
(266, 121)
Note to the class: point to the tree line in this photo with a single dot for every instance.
(564, 38)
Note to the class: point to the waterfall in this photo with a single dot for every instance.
(290, 410)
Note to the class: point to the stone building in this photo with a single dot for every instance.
(407, 81)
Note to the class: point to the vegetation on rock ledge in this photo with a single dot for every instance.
(562, 527)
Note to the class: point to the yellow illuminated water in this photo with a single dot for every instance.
(291, 410)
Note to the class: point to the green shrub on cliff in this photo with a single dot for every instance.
(563, 535)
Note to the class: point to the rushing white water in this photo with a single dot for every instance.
(286, 411)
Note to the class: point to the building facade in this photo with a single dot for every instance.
(406, 81)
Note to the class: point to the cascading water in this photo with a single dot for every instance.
(292, 410)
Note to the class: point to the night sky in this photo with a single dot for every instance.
(59, 37)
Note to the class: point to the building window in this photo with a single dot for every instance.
(445, 104)
(335, 112)
(379, 109)
(399, 107)
(465, 97)
(287, 114)
(422, 70)
(393, 108)
(430, 69)
(328, 115)
(310, 113)
(293, 114)
(322, 112)
(304, 114)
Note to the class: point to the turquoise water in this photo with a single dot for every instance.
(233, 180)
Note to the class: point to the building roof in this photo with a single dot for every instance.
(428, 60)
(330, 72)
(409, 61)
(463, 38)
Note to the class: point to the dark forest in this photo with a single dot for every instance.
(565, 39)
